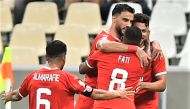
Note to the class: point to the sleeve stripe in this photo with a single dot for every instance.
(104, 39)
(20, 94)
(161, 73)
(88, 64)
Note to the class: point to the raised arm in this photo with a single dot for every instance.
(111, 46)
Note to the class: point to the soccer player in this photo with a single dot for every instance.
(154, 77)
(52, 88)
(117, 69)
(109, 41)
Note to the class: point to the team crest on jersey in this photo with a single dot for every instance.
(81, 83)
(88, 89)
(104, 37)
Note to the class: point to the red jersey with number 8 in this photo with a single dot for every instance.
(116, 70)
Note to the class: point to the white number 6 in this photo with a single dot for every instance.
(43, 101)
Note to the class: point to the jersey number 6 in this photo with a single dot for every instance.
(43, 101)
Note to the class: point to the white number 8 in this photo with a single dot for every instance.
(118, 81)
(43, 101)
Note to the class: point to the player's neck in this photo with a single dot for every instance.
(53, 65)
(112, 32)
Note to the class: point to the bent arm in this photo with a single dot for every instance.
(159, 85)
(12, 95)
(112, 46)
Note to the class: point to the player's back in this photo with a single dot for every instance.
(91, 78)
(115, 69)
(51, 89)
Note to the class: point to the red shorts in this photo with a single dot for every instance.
(84, 102)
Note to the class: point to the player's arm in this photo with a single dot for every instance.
(156, 50)
(84, 68)
(111, 46)
(12, 95)
(159, 85)
(99, 94)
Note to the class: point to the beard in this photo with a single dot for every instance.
(142, 43)
(61, 68)
(119, 32)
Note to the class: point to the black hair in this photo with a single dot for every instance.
(121, 8)
(132, 36)
(143, 18)
(55, 49)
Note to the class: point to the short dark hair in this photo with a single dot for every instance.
(121, 8)
(56, 48)
(132, 36)
(143, 18)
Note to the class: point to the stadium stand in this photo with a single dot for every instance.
(9, 3)
(186, 46)
(185, 60)
(184, 3)
(171, 16)
(75, 37)
(73, 57)
(6, 21)
(84, 13)
(28, 36)
(1, 45)
(166, 39)
(43, 14)
(24, 56)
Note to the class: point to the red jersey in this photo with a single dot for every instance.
(115, 69)
(91, 77)
(51, 89)
(84, 102)
(149, 99)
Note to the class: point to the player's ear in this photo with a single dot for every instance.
(114, 19)
(47, 58)
(64, 58)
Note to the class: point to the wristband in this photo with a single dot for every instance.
(88, 91)
(132, 48)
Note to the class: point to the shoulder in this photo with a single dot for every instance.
(102, 35)
(30, 75)
(68, 75)
(96, 54)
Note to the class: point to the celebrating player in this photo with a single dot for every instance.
(154, 77)
(109, 41)
(52, 88)
(123, 69)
